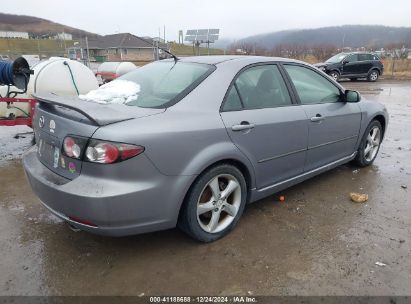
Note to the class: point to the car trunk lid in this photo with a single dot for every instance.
(57, 117)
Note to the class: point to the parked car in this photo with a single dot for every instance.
(199, 139)
(353, 66)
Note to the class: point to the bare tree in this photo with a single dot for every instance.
(323, 51)
(277, 51)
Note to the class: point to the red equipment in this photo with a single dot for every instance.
(16, 73)
(19, 120)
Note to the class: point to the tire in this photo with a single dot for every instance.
(335, 75)
(217, 218)
(363, 157)
(373, 75)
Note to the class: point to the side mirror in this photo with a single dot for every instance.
(345, 62)
(351, 96)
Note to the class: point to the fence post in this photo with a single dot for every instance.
(392, 67)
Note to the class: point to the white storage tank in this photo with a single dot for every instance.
(57, 75)
(111, 70)
(63, 77)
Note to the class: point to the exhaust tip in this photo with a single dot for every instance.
(73, 228)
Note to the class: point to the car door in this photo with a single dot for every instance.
(364, 63)
(264, 123)
(333, 124)
(350, 65)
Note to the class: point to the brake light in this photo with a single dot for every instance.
(99, 151)
(108, 152)
(73, 146)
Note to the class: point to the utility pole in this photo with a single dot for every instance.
(343, 43)
(88, 54)
(38, 46)
(8, 45)
(64, 41)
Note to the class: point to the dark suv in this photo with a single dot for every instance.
(353, 65)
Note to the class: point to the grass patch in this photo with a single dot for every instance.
(187, 50)
(47, 47)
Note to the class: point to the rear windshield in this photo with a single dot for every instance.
(156, 85)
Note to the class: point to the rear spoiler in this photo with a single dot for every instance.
(99, 114)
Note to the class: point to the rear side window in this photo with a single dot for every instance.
(312, 88)
(364, 57)
(260, 87)
(233, 101)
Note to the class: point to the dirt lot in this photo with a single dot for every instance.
(317, 242)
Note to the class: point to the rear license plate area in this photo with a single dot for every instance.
(48, 153)
(48, 150)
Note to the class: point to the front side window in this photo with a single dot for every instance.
(352, 58)
(312, 88)
(261, 87)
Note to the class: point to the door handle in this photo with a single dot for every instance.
(317, 118)
(244, 125)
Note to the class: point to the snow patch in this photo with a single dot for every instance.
(117, 91)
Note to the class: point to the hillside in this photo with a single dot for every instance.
(20, 23)
(374, 36)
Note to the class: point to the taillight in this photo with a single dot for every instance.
(108, 152)
(99, 151)
(74, 146)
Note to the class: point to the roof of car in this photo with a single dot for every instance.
(358, 52)
(223, 58)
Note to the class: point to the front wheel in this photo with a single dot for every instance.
(370, 144)
(335, 75)
(214, 203)
(373, 76)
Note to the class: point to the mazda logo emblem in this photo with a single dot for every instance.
(41, 122)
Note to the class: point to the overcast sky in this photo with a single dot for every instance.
(235, 18)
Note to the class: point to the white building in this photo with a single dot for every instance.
(63, 36)
(22, 35)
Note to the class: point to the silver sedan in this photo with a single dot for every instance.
(189, 143)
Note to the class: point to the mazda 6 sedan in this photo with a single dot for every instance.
(190, 142)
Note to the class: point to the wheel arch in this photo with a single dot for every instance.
(381, 119)
(240, 165)
(334, 70)
(375, 68)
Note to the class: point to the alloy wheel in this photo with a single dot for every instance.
(219, 203)
(334, 76)
(372, 144)
(374, 76)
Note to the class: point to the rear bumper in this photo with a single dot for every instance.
(118, 206)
